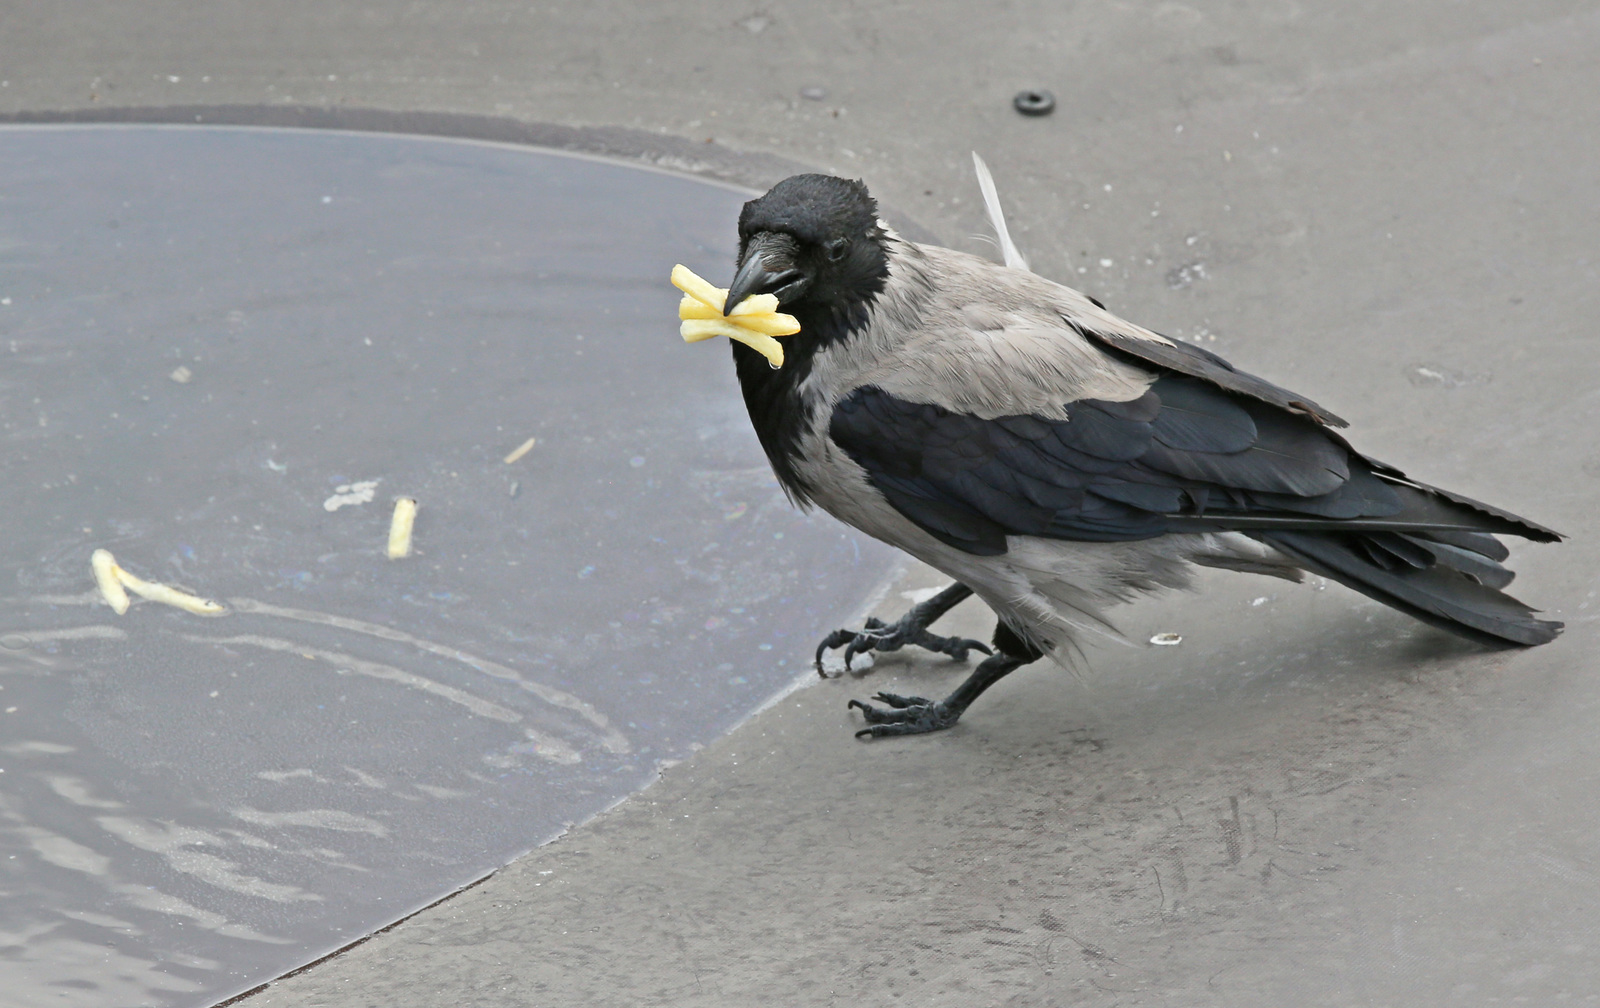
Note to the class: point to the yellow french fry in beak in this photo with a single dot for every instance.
(754, 306)
(695, 330)
(753, 321)
(757, 304)
(689, 308)
(685, 280)
(769, 323)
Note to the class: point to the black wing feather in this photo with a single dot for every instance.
(1188, 359)
(1194, 419)
(1109, 470)
(1189, 464)
(1440, 594)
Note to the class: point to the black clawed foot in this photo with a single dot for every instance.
(877, 635)
(917, 715)
(912, 628)
(905, 716)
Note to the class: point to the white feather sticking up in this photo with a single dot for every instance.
(991, 200)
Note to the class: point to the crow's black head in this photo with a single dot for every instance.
(815, 242)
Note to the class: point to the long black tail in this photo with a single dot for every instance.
(1437, 561)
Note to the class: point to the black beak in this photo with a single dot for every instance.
(768, 267)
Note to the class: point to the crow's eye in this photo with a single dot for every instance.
(837, 248)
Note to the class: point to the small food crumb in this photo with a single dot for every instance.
(1167, 639)
(181, 375)
(405, 515)
(521, 450)
(350, 493)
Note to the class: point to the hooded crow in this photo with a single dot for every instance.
(1055, 459)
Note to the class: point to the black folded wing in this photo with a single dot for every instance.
(1186, 456)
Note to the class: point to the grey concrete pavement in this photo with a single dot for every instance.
(1311, 800)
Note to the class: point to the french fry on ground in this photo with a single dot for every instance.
(105, 575)
(520, 450)
(113, 580)
(753, 321)
(405, 515)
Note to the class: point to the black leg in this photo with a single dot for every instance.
(917, 715)
(912, 628)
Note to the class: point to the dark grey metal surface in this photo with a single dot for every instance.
(190, 805)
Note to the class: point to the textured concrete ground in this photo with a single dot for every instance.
(1310, 800)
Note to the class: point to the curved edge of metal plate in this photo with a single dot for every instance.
(706, 160)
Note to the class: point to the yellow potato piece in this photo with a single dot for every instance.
(521, 450)
(771, 323)
(166, 594)
(687, 281)
(753, 321)
(695, 330)
(762, 344)
(757, 304)
(768, 323)
(105, 575)
(689, 308)
(405, 516)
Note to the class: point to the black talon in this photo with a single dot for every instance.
(897, 701)
(838, 638)
(914, 715)
(860, 644)
(901, 708)
(908, 716)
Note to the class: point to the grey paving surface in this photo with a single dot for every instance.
(1311, 800)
